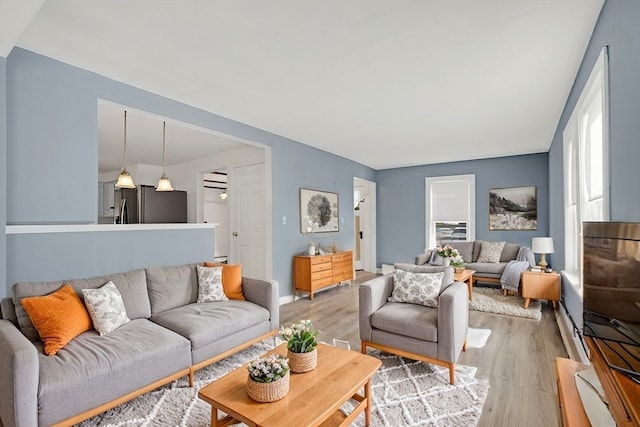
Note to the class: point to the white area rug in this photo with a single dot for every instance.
(477, 338)
(405, 393)
(492, 301)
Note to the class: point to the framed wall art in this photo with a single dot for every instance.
(513, 208)
(318, 211)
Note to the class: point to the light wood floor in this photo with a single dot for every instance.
(518, 360)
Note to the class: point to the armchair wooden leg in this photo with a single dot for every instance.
(464, 346)
(191, 376)
(452, 373)
(363, 347)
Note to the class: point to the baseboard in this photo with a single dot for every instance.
(571, 340)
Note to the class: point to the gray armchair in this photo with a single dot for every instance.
(432, 335)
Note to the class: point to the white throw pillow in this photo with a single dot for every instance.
(210, 284)
(491, 252)
(106, 308)
(416, 288)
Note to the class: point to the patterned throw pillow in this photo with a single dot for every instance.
(491, 252)
(416, 288)
(106, 308)
(210, 284)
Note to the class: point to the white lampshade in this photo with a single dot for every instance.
(164, 184)
(542, 245)
(125, 180)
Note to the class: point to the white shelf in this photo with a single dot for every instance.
(84, 228)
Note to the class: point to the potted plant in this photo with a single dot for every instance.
(457, 263)
(268, 378)
(447, 252)
(301, 346)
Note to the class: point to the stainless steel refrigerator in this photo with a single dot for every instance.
(145, 205)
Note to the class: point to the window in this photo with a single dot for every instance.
(586, 175)
(450, 208)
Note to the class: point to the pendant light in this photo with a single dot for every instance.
(125, 180)
(164, 184)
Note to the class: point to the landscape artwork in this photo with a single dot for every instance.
(513, 208)
(318, 211)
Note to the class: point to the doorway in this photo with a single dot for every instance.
(215, 209)
(364, 205)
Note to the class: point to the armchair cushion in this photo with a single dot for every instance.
(410, 320)
(416, 288)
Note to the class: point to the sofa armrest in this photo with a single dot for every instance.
(423, 258)
(453, 321)
(373, 294)
(19, 373)
(265, 293)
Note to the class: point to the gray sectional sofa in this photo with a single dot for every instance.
(486, 272)
(170, 335)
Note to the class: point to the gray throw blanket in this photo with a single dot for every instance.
(510, 279)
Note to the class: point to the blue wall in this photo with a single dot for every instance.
(3, 170)
(61, 256)
(401, 201)
(617, 28)
(52, 137)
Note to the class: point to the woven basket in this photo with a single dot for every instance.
(303, 362)
(268, 392)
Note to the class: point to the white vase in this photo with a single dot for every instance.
(446, 261)
(312, 250)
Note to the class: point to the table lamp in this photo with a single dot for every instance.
(542, 246)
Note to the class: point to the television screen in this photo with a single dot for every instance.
(611, 291)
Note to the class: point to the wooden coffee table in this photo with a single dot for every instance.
(314, 397)
(465, 276)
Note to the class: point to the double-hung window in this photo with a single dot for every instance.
(586, 174)
(450, 208)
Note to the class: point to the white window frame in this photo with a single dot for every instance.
(430, 232)
(577, 173)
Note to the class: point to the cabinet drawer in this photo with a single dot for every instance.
(342, 265)
(320, 267)
(325, 281)
(318, 275)
(320, 259)
(343, 257)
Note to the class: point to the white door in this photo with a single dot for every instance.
(365, 229)
(247, 194)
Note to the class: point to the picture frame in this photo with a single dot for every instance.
(319, 211)
(513, 208)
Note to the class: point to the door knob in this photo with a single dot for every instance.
(235, 234)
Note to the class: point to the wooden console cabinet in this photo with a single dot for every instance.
(622, 393)
(312, 273)
(540, 286)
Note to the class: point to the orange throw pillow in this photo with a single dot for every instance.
(231, 279)
(58, 317)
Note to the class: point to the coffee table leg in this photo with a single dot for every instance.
(367, 410)
(214, 417)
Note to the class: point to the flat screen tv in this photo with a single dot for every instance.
(611, 292)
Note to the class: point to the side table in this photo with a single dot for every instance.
(540, 285)
(465, 276)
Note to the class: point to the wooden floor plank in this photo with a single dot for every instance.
(518, 360)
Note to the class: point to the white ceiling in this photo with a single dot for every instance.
(385, 83)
